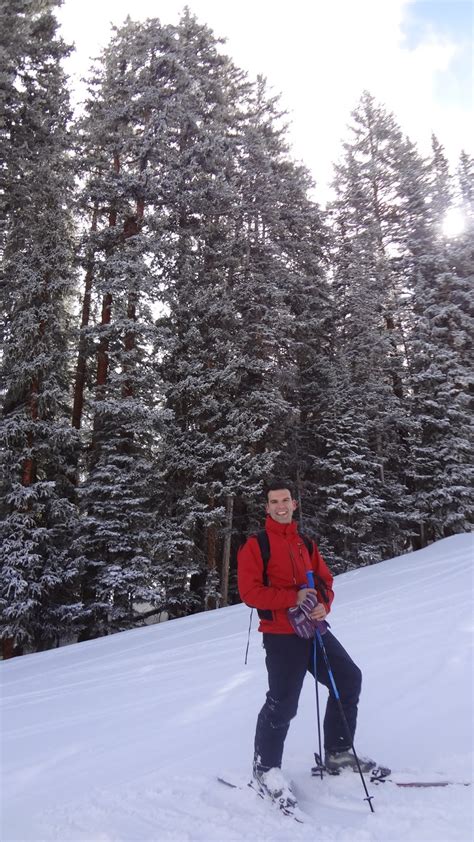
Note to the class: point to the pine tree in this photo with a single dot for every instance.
(279, 298)
(212, 448)
(466, 186)
(116, 396)
(370, 230)
(441, 361)
(440, 183)
(393, 280)
(229, 361)
(294, 241)
(37, 600)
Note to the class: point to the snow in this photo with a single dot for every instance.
(122, 738)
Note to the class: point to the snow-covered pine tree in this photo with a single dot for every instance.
(241, 214)
(440, 183)
(205, 359)
(37, 596)
(292, 245)
(440, 344)
(12, 46)
(369, 342)
(278, 297)
(350, 507)
(465, 191)
(351, 467)
(116, 391)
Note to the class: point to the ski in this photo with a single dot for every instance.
(287, 810)
(423, 784)
(381, 775)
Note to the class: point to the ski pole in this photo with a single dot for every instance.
(310, 579)
(248, 638)
(318, 638)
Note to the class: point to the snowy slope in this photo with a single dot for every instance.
(121, 738)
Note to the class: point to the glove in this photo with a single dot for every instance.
(300, 619)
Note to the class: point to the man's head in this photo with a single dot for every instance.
(280, 502)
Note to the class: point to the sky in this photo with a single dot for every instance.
(414, 56)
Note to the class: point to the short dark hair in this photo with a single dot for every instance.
(278, 484)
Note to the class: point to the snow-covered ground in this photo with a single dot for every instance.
(122, 738)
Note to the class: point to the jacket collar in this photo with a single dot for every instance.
(286, 530)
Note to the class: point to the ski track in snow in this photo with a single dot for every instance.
(121, 739)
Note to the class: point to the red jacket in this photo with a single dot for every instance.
(286, 571)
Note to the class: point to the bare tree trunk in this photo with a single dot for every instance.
(211, 539)
(211, 562)
(226, 552)
(8, 648)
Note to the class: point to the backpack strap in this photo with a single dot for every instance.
(308, 544)
(264, 545)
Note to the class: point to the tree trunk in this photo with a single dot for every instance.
(102, 353)
(81, 367)
(226, 552)
(211, 559)
(8, 648)
(131, 228)
(423, 541)
(127, 390)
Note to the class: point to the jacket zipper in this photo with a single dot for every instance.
(293, 563)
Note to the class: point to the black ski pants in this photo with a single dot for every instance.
(288, 658)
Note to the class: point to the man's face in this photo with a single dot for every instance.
(280, 505)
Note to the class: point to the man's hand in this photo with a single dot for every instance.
(319, 612)
(302, 593)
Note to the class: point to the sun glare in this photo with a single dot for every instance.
(454, 223)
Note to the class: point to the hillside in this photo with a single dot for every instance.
(121, 738)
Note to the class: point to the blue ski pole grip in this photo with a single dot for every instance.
(310, 578)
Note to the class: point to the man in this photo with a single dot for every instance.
(289, 656)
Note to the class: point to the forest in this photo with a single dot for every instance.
(182, 321)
